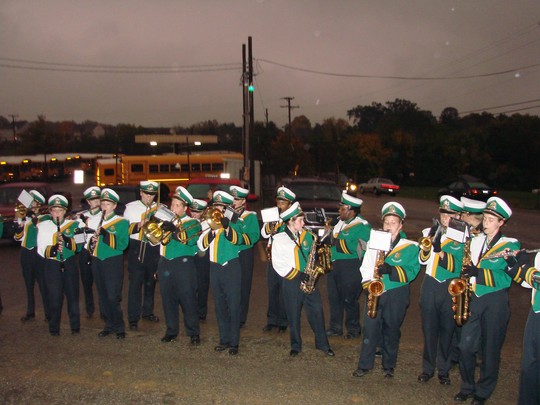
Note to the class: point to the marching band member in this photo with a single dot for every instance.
(56, 243)
(32, 263)
(143, 257)
(485, 330)
(201, 263)
(344, 282)
(177, 273)
(106, 250)
(222, 240)
(250, 228)
(522, 272)
(276, 316)
(443, 260)
(290, 252)
(399, 269)
(92, 196)
(473, 213)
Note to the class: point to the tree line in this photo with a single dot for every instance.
(396, 140)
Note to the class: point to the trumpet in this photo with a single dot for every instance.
(426, 242)
(213, 217)
(507, 252)
(20, 211)
(177, 222)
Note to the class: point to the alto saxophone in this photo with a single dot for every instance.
(375, 287)
(460, 289)
(313, 269)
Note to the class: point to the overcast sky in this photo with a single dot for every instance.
(82, 60)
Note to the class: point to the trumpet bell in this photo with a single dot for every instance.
(213, 217)
(425, 243)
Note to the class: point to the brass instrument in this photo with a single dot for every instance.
(153, 231)
(313, 268)
(460, 289)
(213, 217)
(20, 211)
(59, 230)
(426, 242)
(177, 222)
(375, 287)
(325, 257)
(507, 252)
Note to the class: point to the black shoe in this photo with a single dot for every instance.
(195, 340)
(104, 333)
(282, 329)
(220, 348)
(444, 379)
(121, 335)
(462, 397)
(329, 352)
(75, 331)
(55, 333)
(388, 373)
(351, 335)
(202, 317)
(294, 353)
(233, 350)
(333, 332)
(268, 328)
(133, 326)
(168, 338)
(151, 318)
(360, 372)
(425, 377)
(28, 317)
(378, 353)
(478, 401)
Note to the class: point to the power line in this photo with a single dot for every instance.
(501, 106)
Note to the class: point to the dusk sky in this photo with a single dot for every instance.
(167, 63)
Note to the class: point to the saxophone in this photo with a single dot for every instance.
(460, 289)
(313, 269)
(375, 287)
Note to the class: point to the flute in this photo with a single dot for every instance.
(507, 252)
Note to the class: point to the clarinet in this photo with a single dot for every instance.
(93, 241)
(62, 268)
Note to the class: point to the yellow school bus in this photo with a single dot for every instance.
(171, 169)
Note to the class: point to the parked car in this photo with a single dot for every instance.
(379, 185)
(319, 199)
(9, 193)
(344, 182)
(468, 186)
(199, 187)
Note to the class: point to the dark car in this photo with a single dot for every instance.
(9, 193)
(199, 187)
(319, 199)
(468, 186)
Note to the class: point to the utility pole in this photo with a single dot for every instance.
(289, 107)
(248, 174)
(13, 116)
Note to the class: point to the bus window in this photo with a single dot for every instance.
(217, 167)
(206, 167)
(108, 172)
(195, 167)
(164, 168)
(137, 168)
(175, 168)
(152, 168)
(185, 168)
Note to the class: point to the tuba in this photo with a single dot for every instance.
(375, 287)
(313, 269)
(460, 289)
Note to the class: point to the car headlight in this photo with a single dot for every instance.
(353, 187)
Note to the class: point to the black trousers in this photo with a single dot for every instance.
(246, 264)
(225, 282)
(32, 265)
(529, 381)
(483, 333)
(109, 278)
(58, 284)
(295, 300)
(276, 314)
(385, 328)
(438, 325)
(344, 284)
(87, 280)
(178, 287)
(202, 263)
(141, 278)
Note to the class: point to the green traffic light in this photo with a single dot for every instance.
(251, 88)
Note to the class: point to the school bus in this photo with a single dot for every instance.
(172, 170)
